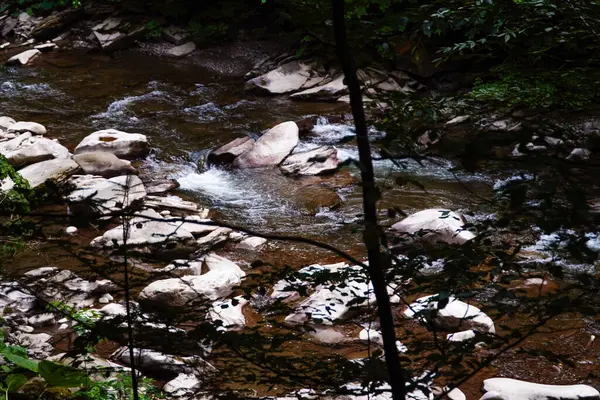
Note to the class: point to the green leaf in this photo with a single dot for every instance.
(18, 356)
(15, 382)
(58, 375)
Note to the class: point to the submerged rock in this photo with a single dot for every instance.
(272, 147)
(24, 58)
(103, 164)
(227, 153)
(121, 144)
(512, 389)
(317, 161)
(453, 316)
(435, 225)
(26, 149)
(56, 171)
(287, 78)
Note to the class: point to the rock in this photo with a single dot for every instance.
(512, 389)
(173, 202)
(36, 344)
(182, 385)
(272, 147)
(287, 78)
(251, 243)
(227, 153)
(46, 47)
(4, 45)
(455, 315)
(115, 34)
(535, 148)
(25, 329)
(24, 17)
(161, 363)
(55, 23)
(461, 336)
(27, 149)
(579, 154)
(41, 320)
(329, 336)
(371, 335)
(6, 184)
(318, 161)
(554, 142)
(182, 50)
(179, 268)
(105, 299)
(217, 283)
(331, 91)
(95, 195)
(435, 225)
(454, 394)
(71, 230)
(458, 120)
(315, 198)
(229, 313)
(175, 35)
(103, 164)
(6, 122)
(56, 171)
(23, 58)
(121, 144)
(16, 297)
(161, 186)
(41, 272)
(9, 25)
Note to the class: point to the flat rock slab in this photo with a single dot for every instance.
(183, 50)
(24, 58)
(318, 161)
(287, 78)
(26, 149)
(57, 171)
(331, 91)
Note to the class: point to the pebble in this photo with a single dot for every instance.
(71, 230)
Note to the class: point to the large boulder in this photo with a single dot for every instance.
(317, 161)
(229, 313)
(288, 78)
(27, 149)
(454, 315)
(331, 91)
(24, 58)
(271, 148)
(103, 164)
(94, 195)
(434, 225)
(56, 171)
(114, 33)
(222, 276)
(23, 126)
(512, 389)
(227, 153)
(121, 144)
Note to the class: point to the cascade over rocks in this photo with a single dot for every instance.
(271, 148)
(121, 144)
(287, 78)
(435, 225)
(512, 389)
(318, 161)
(103, 164)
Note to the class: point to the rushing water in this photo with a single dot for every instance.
(186, 111)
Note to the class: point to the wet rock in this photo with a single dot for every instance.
(182, 385)
(217, 283)
(103, 164)
(56, 171)
(579, 154)
(182, 50)
(36, 344)
(46, 47)
(211, 240)
(115, 34)
(161, 186)
(227, 153)
(22, 127)
(435, 225)
(331, 91)
(288, 78)
(55, 23)
(94, 195)
(306, 125)
(228, 315)
(172, 202)
(121, 144)
(271, 148)
(41, 320)
(175, 35)
(462, 336)
(24, 58)
(27, 149)
(179, 268)
(157, 362)
(454, 315)
(454, 394)
(316, 198)
(512, 389)
(251, 243)
(458, 120)
(6, 122)
(321, 160)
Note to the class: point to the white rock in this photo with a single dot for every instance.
(328, 92)
(24, 17)
(26, 149)
(458, 120)
(579, 154)
(103, 164)
(57, 171)
(227, 153)
(317, 161)
(512, 389)
(6, 122)
(4, 45)
(24, 58)
(22, 127)
(121, 144)
(182, 385)
(435, 225)
(114, 33)
(41, 320)
(272, 147)
(113, 310)
(371, 335)
(287, 78)
(182, 50)
(71, 230)
(25, 329)
(97, 195)
(230, 316)
(46, 47)
(173, 202)
(62, 327)
(456, 315)
(180, 268)
(215, 237)
(461, 336)
(105, 298)
(217, 283)
(251, 243)
(454, 394)
(41, 272)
